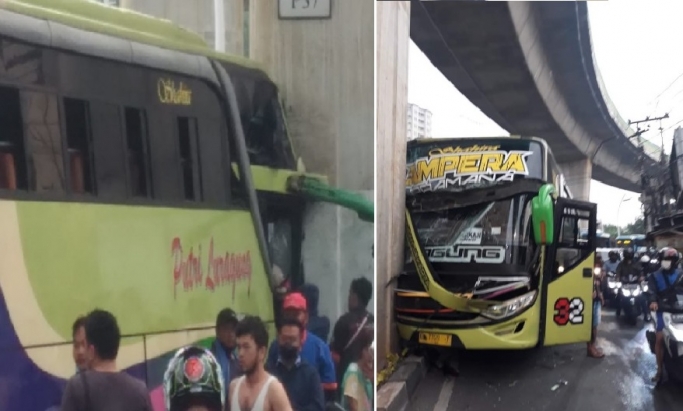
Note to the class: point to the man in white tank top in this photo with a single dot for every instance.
(256, 390)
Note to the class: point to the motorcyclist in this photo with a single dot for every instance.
(193, 381)
(630, 267)
(612, 263)
(659, 285)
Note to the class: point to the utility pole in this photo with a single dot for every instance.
(654, 197)
(638, 133)
(647, 120)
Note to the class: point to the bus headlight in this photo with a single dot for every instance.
(510, 307)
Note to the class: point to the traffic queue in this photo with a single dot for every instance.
(648, 284)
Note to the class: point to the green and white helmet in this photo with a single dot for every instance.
(193, 377)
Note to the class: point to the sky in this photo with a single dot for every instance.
(635, 44)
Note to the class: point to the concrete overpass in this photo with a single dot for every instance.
(530, 67)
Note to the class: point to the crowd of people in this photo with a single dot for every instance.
(298, 371)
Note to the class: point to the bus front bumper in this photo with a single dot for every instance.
(518, 332)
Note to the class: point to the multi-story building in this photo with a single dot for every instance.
(663, 200)
(419, 122)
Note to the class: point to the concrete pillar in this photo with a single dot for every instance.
(324, 69)
(577, 174)
(197, 16)
(393, 36)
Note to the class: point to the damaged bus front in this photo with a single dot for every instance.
(494, 253)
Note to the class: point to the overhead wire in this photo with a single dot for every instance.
(584, 64)
(657, 98)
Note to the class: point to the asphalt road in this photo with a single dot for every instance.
(557, 378)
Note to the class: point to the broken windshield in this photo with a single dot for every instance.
(495, 232)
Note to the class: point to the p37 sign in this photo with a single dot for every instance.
(568, 311)
(305, 9)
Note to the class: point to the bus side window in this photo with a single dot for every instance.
(138, 154)
(189, 158)
(571, 248)
(12, 157)
(43, 141)
(79, 143)
(106, 121)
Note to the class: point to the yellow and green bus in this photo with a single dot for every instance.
(140, 172)
(494, 256)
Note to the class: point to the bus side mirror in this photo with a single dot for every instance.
(542, 216)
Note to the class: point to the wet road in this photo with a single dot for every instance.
(525, 380)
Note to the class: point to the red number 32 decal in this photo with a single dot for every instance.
(568, 311)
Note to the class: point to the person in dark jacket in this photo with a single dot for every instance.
(314, 351)
(661, 286)
(627, 268)
(317, 324)
(349, 326)
(223, 347)
(300, 379)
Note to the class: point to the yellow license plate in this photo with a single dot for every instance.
(443, 340)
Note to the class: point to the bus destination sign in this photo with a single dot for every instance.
(456, 168)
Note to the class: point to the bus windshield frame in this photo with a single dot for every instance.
(488, 236)
(474, 226)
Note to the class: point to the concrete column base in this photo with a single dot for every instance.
(578, 174)
(337, 249)
(197, 16)
(393, 37)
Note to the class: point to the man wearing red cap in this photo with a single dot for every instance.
(313, 350)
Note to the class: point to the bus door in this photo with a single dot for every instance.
(568, 275)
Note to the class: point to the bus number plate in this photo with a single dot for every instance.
(442, 340)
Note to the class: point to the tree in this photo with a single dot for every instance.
(636, 227)
(610, 229)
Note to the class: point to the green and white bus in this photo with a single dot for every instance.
(140, 172)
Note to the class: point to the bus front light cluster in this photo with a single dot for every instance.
(510, 307)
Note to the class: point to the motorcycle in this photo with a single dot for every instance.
(672, 313)
(646, 290)
(630, 299)
(611, 287)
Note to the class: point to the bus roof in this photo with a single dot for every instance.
(427, 140)
(598, 233)
(631, 237)
(122, 23)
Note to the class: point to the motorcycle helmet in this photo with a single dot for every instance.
(612, 254)
(193, 377)
(644, 259)
(669, 258)
(628, 253)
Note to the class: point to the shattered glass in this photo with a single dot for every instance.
(491, 240)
